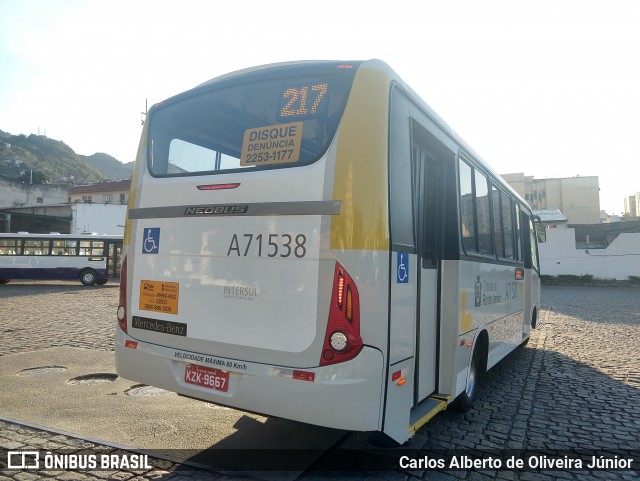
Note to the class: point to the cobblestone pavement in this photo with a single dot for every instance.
(36, 316)
(576, 386)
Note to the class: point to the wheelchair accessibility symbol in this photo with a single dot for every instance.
(403, 268)
(151, 240)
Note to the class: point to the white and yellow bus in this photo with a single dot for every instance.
(311, 241)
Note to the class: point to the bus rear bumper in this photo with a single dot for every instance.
(345, 396)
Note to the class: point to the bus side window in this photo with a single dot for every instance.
(85, 248)
(467, 217)
(483, 214)
(97, 249)
(534, 247)
(475, 216)
(503, 224)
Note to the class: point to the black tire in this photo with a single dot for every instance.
(464, 402)
(88, 277)
(534, 319)
(534, 323)
(4, 281)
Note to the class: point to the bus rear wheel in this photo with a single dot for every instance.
(88, 277)
(464, 402)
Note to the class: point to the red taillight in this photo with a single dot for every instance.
(122, 304)
(231, 185)
(342, 340)
(303, 375)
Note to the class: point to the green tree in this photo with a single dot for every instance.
(34, 177)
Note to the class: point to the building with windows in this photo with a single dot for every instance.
(632, 205)
(104, 193)
(578, 198)
(15, 194)
(46, 208)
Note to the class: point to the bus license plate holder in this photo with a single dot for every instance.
(215, 379)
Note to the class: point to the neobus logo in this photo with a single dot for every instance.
(217, 210)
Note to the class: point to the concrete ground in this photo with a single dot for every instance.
(574, 388)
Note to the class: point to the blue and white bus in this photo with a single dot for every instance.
(91, 259)
(312, 241)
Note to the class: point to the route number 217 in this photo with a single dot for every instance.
(297, 100)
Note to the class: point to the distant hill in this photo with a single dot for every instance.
(20, 154)
(109, 166)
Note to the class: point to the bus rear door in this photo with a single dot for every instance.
(417, 166)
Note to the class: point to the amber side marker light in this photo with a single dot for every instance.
(340, 290)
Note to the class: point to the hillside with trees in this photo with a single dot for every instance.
(39, 159)
(109, 166)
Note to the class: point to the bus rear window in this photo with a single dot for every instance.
(277, 117)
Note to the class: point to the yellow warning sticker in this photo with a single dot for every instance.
(274, 144)
(159, 296)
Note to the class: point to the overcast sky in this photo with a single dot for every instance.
(546, 87)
